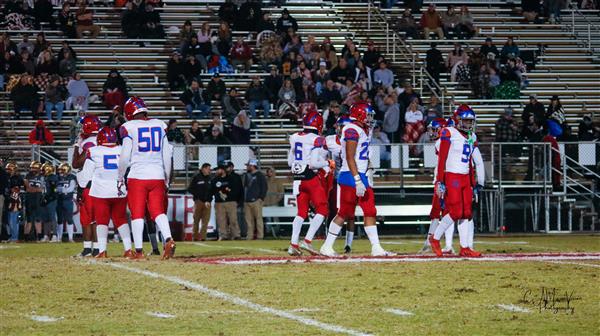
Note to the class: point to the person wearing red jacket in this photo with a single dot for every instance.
(241, 53)
(41, 135)
(431, 22)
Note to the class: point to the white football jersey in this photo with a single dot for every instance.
(334, 147)
(84, 145)
(301, 148)
(437, 152)
(103, 161)
(146, 154)
(355, 133)
(461, 150)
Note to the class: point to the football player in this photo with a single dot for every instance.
(49, 202)
(34, 187)
(147, 153)
(102, 165)
(353, 181)
(453, 181)
(87, 139)
(67, 184)
(305, 158)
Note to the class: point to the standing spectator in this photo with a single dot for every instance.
(176, 72)
(435, 62)
(194, 135)
(227, 194)
(255, 191)
(43, 11)
(67, 185)
(174, 133)
(67, 21)
(451, 20)
(85, 21)
(41, 135)
(531, 10)
(413, 119)
(200, 188)
(407, 24)
(185, 34)
(391, 120)
(194, 100)
(285, 22)
(249, 15)
(507, 129)
(55, 98)
(536, 109)
(204, 39)
(25, 97)
(34, 186)
(466, 28)
(384, 75)
(240, 129)
(275, 190)
(380, 139)
(258, 95)
(488, 47)
(431, 22)
(232, 104)
(273, 83)
(114, 89)
(216, 88)
(78, 93)
(224, 39)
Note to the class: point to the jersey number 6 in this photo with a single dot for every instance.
(298, 151)
(149, 139)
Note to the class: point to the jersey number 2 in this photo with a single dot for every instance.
(364, 151)
(149, 139)
(466, 154)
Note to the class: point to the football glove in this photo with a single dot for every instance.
(120, 187)
(476, 191)
(440, 189)
(360, 187)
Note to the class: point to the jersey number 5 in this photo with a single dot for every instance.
(298, 151)
(110, 162)
(149, 139)
(466, 154)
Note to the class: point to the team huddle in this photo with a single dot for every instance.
(338, 168)
(135, 174)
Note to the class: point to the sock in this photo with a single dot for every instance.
(163, 225)
(449, 235)
(334, 231)
(125, 233)
(59, 231)
(296, 227)
(471, 233)
(137, 228)
(115, 236)
(372, 234)
(442, 227)
(153, 240)
(70, 230)
(87, 244)
(434, 224)
(463, 233)
(349, 238)
(315, 224)
(102, 233)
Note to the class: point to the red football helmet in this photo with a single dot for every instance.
(107, 136)
(133, 106)
(90, 124)
(362, 112)
(313, 120)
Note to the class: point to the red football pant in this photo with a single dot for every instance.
(312, 192)
(146, 194)
(436, 207)
(459, 196)
(349, 201)
(86, 211)
(106, 209)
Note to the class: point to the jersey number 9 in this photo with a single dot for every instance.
(466, 154)
(149, 139)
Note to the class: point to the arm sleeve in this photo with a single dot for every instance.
(290, 158)
(479, 168)
(167, 154)
(125, 156)
(70, 188)
(86, 173)
(443, 155)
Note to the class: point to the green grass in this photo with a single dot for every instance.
(446, 298)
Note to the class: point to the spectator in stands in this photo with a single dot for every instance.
(273, 83)
(192, 69)
(488, 47)
(293, 45)
(451, 20)
(433, 110)
(216, 137)
(41, 135)
(228, 12)
(56, 94)
(26, 44)
(413, 122)
(328, 53)
(380, 139)
(348, 52)
(6, 44)
(25, 97)
(307, 94)
(265, 23)
(114, 90)
(204, 39)
(553, 8)
(131, 21)
(65, 46)
(509, 50)
(26, 63)
(174, 133)
(364, 76)
(320, 77)
(67, 21)
(241, 53)
(329, 93)
(194, 100)
(285, 22)
(240, 129)
(556, 112)
(507, 129)
(78, 93)
(194, 49)
(287, 98)
(151, 26)
(384, 76)
(531, 10)
(200, 188)
(407, 24)
(255, 192)
(275, 189)
(435, 62)
(466, 28)
(456, 56)
(232, 104)
(258, 95)
(40, 44)
(46, 65)
(42, 11)
(587, 130)
(330, 116)
(431, 22)
(185, 34)
(388, 105)
(194, 136)
(406, 97)
(227, 194)
(67, 66)
(85, 21)
(371, 55)
(115, 120)
(176, 74)
(341, 72)
(271, 52)
(249, 14)
(216, 88)
(9, 65)
(224, 39)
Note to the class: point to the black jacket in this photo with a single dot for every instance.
(230, 186)
(257, 93)
(201, 188)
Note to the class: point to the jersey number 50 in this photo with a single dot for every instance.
(149, 139)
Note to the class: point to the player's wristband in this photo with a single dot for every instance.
(357, 178)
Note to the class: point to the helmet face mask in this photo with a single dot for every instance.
(35, 166)
(11, 168)
(466, 124)
(64, 169)
(48, 169)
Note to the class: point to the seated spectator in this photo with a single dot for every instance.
(185, 34)
(287, 100)
(380, 139)
(534, 109)
(228, 12)
(42, 11)
(55, 98)
(384, 75)
(265, 23)
(507, 129)
(371, 55)
(451, 20)
(307, 94)
(435, 62)
(40, 44)
(509, 50)
(224, 39)
(329, 93)
(556, 112)
(78, 93)
(25, 97)
(294, 44)
(194, 49)
(151, 26)
(216, 137)
(216, 88)
(273, 83)
(363, 76)
(285, 22)
(204, 40)
(26, 44)
(85, 21)
(466, 28)
(176, 74)
(531, 10)
(456, 57)
(191, 69)
(413, 122)
(587, 131)
(194, 136)
(193, 99)
(174, 134)
(46, 65)
(9, 65)
(67, 21)
(328, 54)
(407, 96)
(257, 95)
(249, 14)
(26, 63)
(67, 65)
(114, 90)
(433, 110)
(241, 53)
(271, 52)
(341, 72)
(488, 47)
(407, 24)
(431, 22)
(65, 46)
(131, 21)
(6, 44)
(240, 129)
(232, 104)
(348, 52)
(41, 135)
(320, 77)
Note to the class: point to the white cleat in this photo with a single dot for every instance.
(426, 248)
(328, 252)
(448, 250)
(308, 248)
(45, 239)
(54, 239)
(378, 251)
(294, 252)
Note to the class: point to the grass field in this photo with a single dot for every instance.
(47, 292)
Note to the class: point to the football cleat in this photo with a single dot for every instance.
(294, 251)
(448, 251)
(474, 253)
(328, 252)
(44, 240)
(101, 255)
(154, 252)
(95, 252)
(128, 254)
(54, 239)
(464, 252)
(137, 255)
(308, 248)
(347, 249)
(87, 252)
(435, 246)
(169, 250)
(426, 248)
(378, 251)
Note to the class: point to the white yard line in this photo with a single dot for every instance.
(513, 308)
(575, 263)
(399, 312)
(160, 315)
(45, 319)
(241, 311)
(238, 300)
(237, 248)
(9, 247)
